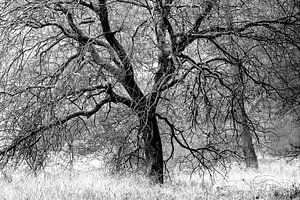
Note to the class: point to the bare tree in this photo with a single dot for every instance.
(162, 66)
(240, 118)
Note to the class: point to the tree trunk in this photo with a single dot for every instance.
(242, 120)
(153, 148)
(240, 115)
(248, 149)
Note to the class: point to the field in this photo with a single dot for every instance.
(275, 179)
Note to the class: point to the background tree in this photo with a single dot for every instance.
(143, 76)
(240, 117)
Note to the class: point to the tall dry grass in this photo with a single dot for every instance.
(274, 180)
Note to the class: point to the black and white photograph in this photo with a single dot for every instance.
(149, 99)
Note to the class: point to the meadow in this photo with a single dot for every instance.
(275, 179)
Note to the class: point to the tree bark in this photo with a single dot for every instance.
(242, 120)
(153, 148)
(248, 149)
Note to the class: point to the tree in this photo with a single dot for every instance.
(239, 112)
(158, 72)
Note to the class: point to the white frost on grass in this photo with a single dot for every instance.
(273, 179)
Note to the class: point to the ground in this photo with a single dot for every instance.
(275, 179)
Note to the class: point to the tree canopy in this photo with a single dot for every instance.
(152, 80)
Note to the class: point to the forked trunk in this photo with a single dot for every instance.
(153, 149)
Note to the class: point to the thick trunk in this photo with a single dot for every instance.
(153, 148)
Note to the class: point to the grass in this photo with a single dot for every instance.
(274, 180)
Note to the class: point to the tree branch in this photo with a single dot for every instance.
(61, 121)
(217, 31)
(128, 81)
